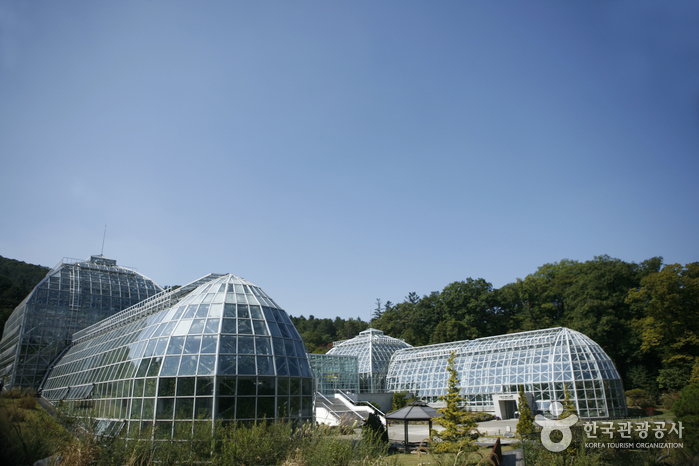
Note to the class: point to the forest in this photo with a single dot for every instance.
(645, 316)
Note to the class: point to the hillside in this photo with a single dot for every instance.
(17, 279)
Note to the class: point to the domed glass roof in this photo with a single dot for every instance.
(374, 351)
(218, 348)
(545, 362)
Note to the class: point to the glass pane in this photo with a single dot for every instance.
(206, 365)
(208, 344)
(176, 344)
(192, 345)
(227, 344)
(185, 386)
(226, 364)
(170, 365)
(246, 365)
(188, 365)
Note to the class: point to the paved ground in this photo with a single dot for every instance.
(418, 432)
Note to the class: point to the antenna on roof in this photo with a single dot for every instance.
(103, 237)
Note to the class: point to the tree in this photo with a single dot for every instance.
(457, 422)
(568, 405)
(373, 430)
(525, 425)
(687, 411)
(636, 395)
(669, 301)
(400, 400)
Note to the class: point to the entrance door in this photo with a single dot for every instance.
(508, 408)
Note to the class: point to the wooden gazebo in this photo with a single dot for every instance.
(414, 411)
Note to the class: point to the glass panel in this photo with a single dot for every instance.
(206, 365)
(184, 408)
(226, 386)
(228, 344)
(226, 365)
(246, 345)
(246, 365)
(259, 327)
(188, 365)
(226, 407)
(176, 344)
(203, 407)
(208, 344)
(205, 386)
(170, 365)
(192, 344)
(212, 326)
(166, 387)
(185, 386)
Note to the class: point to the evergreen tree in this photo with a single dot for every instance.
(373, 430)
(525, 425)
(568, 405)
(457, 422)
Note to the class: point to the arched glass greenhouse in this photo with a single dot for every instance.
(218, 348)
(547, 363)
(374, 351)
(75, 294)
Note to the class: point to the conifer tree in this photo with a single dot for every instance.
(457, 422)
(568, 405)
(525, 425)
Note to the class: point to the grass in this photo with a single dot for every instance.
(27, 432)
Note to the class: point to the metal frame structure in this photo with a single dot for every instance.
(374, 350)
(74, 294)
(546, 362)
(334, 372)
(218, 348)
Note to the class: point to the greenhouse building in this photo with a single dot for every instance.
(373, 350)
(217, 349)
(74, 294)
(547, 363)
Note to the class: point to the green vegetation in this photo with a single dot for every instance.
(17, 279)
(30, 434)
(525, 424)
(373, 430)
(687, 411)
(319, 334)
(642, 315)
(400, 400)
(457, 422)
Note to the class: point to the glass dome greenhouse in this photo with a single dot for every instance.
(74, 294)
(546, 362)
(374, 351)
(218, 348)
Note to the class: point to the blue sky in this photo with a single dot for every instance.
(337, 152)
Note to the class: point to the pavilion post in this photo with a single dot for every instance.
(406, 436)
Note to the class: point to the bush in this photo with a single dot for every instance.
(667, 399)
(373, 429)
(27, 403)
(482, 417)
(19, 392)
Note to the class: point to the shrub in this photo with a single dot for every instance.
(482, 417)
(27, 403)
(373, 429)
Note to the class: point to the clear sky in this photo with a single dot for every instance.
(336, 152)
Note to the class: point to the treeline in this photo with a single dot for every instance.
(17, 279)
(645, 316)
(319, 334)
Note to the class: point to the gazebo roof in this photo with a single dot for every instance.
(415, 411)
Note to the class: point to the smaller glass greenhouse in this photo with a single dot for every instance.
(546, 362)
(374, 351)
